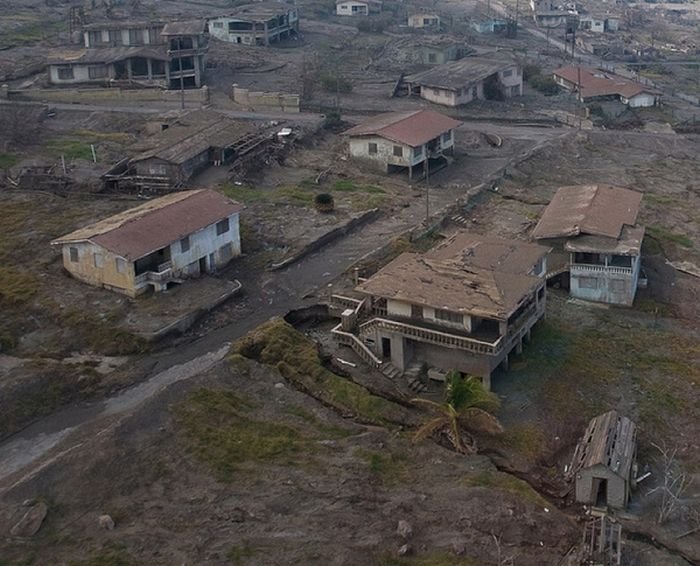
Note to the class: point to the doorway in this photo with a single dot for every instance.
(601, 498)
(202, 265)
(386, 348)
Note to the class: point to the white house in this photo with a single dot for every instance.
(156, 244)
(596, 240)
(403, 140)
(356, 7)
(262, 23)
(462, 81)
(424, 20)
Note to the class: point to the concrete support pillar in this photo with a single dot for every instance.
(519, 347)
(528, 335)
(150, 69)
(505, 363)
(410, 172)
(486, 382)
(128, 68)
(197, 72)
(266, 37)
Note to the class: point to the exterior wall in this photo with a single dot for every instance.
(642, 100)
(155, 167)
(86, 268)
(510, 79)
(617, 489)
(119, 37)
(346, 9)
(398, 308)
(435, 56)
(512, 83)
(81, 74)
(419, 20)
(602, 284)
(592, 24)
(359, 148)
(203, 243)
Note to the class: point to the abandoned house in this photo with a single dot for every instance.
(421, 20)
(604, 462)
(417, 140)
(598, 23)
(185, 147)
(421, 50)
(460, 82)
(596, 240)
(262, 23)
(155, 244)
(465, 305)
(593, 84)
(151, 54)
(489, 25)
(357, 7)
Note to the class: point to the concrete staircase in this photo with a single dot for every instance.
(390, 370)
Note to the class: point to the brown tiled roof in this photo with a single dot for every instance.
(595, 82)
(139, 231)
(411, 128)
(609, 441)
(596, 210)
(490, 282)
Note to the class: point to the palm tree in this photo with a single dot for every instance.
(467, 407)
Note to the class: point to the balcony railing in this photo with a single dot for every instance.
(163, 272)
(356, 344)
(435, 337)
(601, 269)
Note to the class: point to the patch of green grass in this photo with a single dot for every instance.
(278, 344)
(663, 235)
(387, 467)
(69, 149)
(507, 483)
(243, 193)
(239, 554)
(16, 287)
(526, 439)
(113, 554)
(7, 160)
(221, 434)
(439, 559)
(298, 195)
(346, 185)
(327, 431)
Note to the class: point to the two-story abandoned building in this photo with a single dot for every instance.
(465, 305)
(397, 141)
(170, 55)
(155, 244)
(262, 23)
(462, 81)
(357, 7)
(596, 240)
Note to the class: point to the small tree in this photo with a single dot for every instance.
(674, 484)
(467, 407)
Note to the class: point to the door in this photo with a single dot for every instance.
(203, 264)
(601, 498)
(386, 348)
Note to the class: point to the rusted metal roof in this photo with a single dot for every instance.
(610, 441)
(596, 210)
(190, 27)
(411, 128)
(486, 278)
(139, 231)
(594, 82)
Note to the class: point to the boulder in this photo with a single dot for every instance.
(404, 529)
(106, 522)
(31, 521)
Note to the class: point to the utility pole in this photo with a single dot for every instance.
(580, 96)
(427, 187)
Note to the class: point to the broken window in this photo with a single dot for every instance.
(449, 316)
(587, 282)
(181, 43)
(65, 73)
(446, 137)
(398, 151)
(416, 311)
(432, 58)
(120, 265)
(508, 73)
(135, 37)
(73, 252)
(418, 151)
(97, 72)
(621, 261)
(372, 148)
(222, 227)
(587, 258)
(185, 244)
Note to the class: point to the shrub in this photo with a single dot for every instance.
(332, 82)
(545, 84)
(324, 202)
(530, 70)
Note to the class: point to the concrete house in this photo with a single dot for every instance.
(490, 25)
(150, 53)
(397, 141)
(465, 305)
(357, 7)
(596, 240)
(421, 20)
(262, 23)
(190, 144)
(593, 84)
(422, 50)
(460, 82)
(604, 462)
(155, 244)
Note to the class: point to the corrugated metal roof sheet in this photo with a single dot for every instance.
(487, 277)
(139, 231)
(462, 73)
(190, 27)
(597, 210)
(411, 128)
(594, 82)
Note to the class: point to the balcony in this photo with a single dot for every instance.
(447, 339)
(163, 272)
(585, 269)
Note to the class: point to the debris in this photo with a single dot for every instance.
(347, 363)
(106, 522)
(404, 529)
(404, 550)
(685, 267)
(31, 521)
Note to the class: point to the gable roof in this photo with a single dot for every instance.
(474, 275)
(412, 128)
(188, 27)
(594, 82)
(139, 231)
(596, 210)
(609, 441)
(461, 73)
